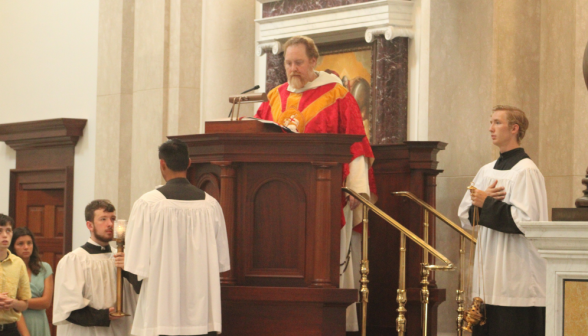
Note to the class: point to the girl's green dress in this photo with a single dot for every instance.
(36, 320)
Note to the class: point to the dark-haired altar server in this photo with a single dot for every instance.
(85, 282)
(176, 242)
(509, 273)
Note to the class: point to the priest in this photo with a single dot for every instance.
(316, 102)
(509, 274)
(177, 244)
(85, 282)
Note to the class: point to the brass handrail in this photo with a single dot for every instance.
(464, 234)
(437, 214)
(401, 293)
(400, 227)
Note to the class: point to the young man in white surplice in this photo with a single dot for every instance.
(509, 274)
(85, 282)
(177, 230)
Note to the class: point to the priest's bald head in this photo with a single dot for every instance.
(174, 159)
(300, 57)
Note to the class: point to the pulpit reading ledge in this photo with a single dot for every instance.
(281, 197)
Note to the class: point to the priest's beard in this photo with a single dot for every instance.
(296, 82)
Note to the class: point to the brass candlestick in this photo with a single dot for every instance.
(120, 229)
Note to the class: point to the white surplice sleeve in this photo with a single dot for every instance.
(222, 243)
(138, 240)
(69, 287)
(528, 197)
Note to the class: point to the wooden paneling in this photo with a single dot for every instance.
(41, 186)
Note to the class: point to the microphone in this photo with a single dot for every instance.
(252, 89)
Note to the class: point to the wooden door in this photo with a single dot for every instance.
(42, 211)
(41, 203)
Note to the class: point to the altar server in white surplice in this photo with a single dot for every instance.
(509, 273)
(85, 282)
(176, 242)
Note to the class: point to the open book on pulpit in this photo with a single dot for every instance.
(244, 125)
(234, 124)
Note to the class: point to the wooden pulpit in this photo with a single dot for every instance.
(281, 197)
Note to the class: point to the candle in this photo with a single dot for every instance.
(121, 227)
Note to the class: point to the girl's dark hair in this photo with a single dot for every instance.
(35, 259)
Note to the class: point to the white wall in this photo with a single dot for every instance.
(48, 67)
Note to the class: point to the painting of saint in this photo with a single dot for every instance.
(355, 70)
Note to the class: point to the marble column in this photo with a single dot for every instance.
(148, 88)
(114, 103)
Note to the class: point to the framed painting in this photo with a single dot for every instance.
(352, 62)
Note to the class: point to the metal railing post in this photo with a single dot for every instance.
(365, 270)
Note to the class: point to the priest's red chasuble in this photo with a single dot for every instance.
(326, 109)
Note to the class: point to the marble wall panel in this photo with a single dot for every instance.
(560, 193)
(149, 43)
(114, 103)
(110, 47)
(461, 84)
(190, 47)
(125, 156)
(390, 96)
(107, 148)
(557, 87)
(296, 6)
(581, 92)
(517, 25)
(188, 111)
(173, 107)
(147, 135)
(128, 46)
(228, 56)
(275, 73)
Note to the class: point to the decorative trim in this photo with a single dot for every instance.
(348, 19)
(42, 133)
(564, 245)
(343, 47)
(264, 47)
(389, 32)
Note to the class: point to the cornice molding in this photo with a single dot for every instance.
(558, 238)
(42, 133)
(391, 18)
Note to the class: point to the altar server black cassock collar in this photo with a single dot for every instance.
(96, 249)
(496, 214)
(181, 189)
